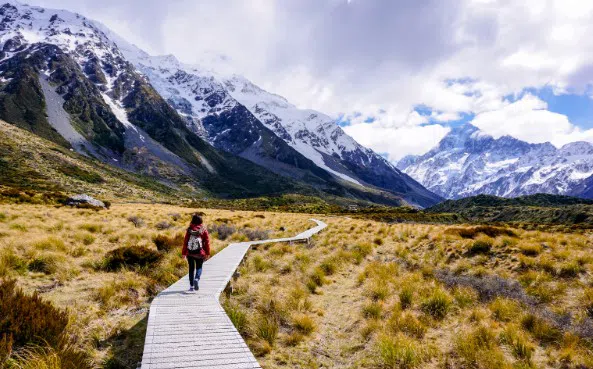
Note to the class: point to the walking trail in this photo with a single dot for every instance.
(191, 329)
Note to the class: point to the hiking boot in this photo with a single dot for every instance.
(196, 286)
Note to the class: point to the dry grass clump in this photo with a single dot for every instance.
(478, 348)
(504, 310)
(438, 304)
(400, 352)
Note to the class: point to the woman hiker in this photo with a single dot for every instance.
(196, 248)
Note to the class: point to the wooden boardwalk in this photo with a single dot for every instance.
(191, 329)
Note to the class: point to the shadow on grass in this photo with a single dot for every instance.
(127, 347)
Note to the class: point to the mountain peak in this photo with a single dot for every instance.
(468, 162)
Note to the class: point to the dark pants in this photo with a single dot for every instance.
(194, 264)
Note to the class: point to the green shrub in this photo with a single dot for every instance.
(259, 264)
(166, 244)
(130, 256)
(438, 304)
(29, 320)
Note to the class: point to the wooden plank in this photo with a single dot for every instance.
(191, 329)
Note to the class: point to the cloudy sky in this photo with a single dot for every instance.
(395, 73)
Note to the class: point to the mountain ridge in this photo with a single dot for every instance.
(66, 78)
(468, 162)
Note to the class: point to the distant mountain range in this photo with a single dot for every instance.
(71, 80)
(468, 162)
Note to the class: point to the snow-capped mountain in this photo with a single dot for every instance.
(72, 80)
(468, 162)
(206, 98)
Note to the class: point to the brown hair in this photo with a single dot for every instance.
(196, 219)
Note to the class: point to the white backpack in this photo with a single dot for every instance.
(194, 244)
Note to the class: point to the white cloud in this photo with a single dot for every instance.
(381, 58)
(529, 120)
(397, 142)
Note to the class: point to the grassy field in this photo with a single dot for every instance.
(67, 256)
(372, 295)
(364, 294)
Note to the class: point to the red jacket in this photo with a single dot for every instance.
(205, 241)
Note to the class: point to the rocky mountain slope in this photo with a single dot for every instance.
(237, 116)
(468, 162)
(71, 80)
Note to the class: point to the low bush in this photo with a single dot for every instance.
(91, 227)
(130, 257)
(473, 232)
(28, 320)
(10, 261)
(255, 234)
(223, 231)
(137, 221)
(166, 243)
(161, 226)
